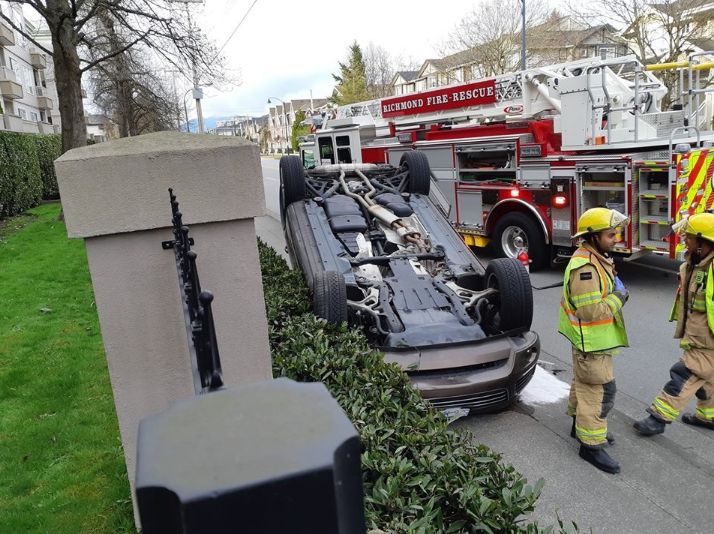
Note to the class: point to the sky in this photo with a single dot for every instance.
(284, 49)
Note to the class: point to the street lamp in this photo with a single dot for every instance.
(285, 113)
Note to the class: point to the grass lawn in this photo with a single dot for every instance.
(61, 463)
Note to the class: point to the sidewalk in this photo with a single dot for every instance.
(666, 484)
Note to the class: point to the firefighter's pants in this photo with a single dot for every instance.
(692, 375)
(592, 395)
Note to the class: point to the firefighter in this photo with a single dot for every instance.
(591, 318)
(693, 310)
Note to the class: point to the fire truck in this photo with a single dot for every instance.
(516, 158)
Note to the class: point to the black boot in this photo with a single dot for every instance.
(692, 419)
(649, 426)
(600, 459)
(610, 438)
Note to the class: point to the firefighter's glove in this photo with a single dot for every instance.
(621, 290)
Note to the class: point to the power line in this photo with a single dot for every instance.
(235, 29)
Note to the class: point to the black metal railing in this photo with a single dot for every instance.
(201, 331)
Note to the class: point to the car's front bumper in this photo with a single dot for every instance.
(481, 376)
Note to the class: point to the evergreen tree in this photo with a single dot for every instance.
(298, 130)
(351, 82)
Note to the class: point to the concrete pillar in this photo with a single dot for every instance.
(115, 196)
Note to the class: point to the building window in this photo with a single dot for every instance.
(33, 116)
(607, 52)
(21, 113)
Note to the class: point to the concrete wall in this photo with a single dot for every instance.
(114, 195)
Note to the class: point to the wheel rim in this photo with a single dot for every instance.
(513, 240)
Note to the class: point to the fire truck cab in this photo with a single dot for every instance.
(516, 159)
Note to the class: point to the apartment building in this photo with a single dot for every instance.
(280, 121)
(241, 126)
(559, 39)
(24, 88)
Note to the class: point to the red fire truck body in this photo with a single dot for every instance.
(517, 158)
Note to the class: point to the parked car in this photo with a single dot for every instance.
(377, 252)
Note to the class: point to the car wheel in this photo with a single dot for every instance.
(292, 183)
(516, 231)
(419, 173)
(329, 296)
(513, 305)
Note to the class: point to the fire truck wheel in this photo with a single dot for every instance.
(329, 296)
(512, 306)
(292, 182)
(419, 172)
(516, 231)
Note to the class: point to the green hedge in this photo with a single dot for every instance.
(418, 475)
(26, 170)
(49, 148)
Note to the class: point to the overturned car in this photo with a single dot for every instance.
(377, 252)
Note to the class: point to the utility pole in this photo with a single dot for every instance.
(523, 35)
(197, 91)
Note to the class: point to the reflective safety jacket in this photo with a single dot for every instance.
(694, 308)
(590, 312)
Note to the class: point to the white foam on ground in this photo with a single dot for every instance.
(544, 388)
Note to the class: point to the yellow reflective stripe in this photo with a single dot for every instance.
(591, 433)
(586, 298)
(705, 413)
(614, 302)
(571, 409)
(591, 437)
(665, 410)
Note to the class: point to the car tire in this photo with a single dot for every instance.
(292, 182)
(513, 304)
(417, 165)
(329, 296)
(519, 225)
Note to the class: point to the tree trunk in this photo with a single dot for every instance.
(68, 77)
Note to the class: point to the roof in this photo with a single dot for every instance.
(682, 5)
(304, 103)
(407, 75)
(546, 36)
(704, 44)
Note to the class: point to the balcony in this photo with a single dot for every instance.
(45, 128)
(29, 126)
(43, 101)
(13, 123)
(9, 88)
(38, 59)
(7, 36)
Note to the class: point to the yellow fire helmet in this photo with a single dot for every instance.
(598, 219)
(699, 225)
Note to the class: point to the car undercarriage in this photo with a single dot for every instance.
(377, 252)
